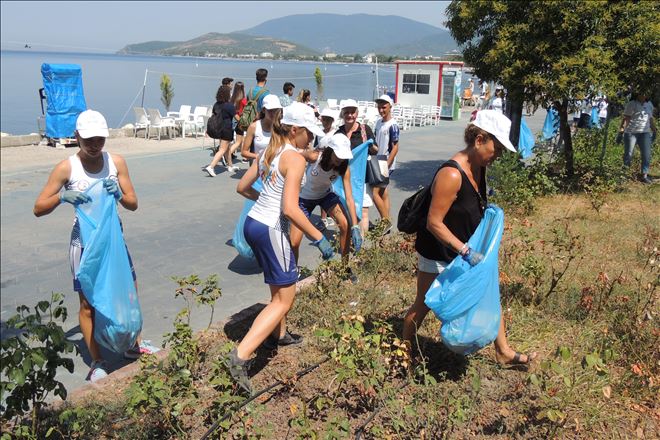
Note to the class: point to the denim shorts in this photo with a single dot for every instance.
(430, 266)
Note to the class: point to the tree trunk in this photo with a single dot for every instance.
(606, 128)
(514, 112)
(565, 132)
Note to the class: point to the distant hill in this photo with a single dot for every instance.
(359, 33)
(216, 43)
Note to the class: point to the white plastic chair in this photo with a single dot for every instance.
(182, 118)
(156, 120)
(141, 121)
(333, 104)
(197, 120)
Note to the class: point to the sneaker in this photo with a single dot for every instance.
(239, 371)
(98, 371)
(210, 171)
(321, 225)
(328, 222)
(233, 169)
(144, 347)
(244, 160)
(288, 339)
(349, 276)
(646, 179)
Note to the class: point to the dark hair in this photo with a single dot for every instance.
(471, 133)
(238, 94)
(287, 87)
(262, 74)
(226, 81)
(303, 95)
(326, 157)
(223, 94)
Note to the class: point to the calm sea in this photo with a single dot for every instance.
(113, 83)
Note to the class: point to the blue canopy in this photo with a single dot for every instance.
(65, 97)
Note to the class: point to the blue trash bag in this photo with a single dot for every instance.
(526, 140)
(105, 272)
(238, 240)
(551, 124)
(358, 167)
(595, 120)
(467, 299)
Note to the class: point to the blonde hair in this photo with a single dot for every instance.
(279, 135)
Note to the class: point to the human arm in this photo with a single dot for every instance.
(247, 142)
(292, 167)
(310, 156)
(49, 198)
(129, 198)
(244, 186)
(373, 148)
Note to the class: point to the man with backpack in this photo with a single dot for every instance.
(255, 100)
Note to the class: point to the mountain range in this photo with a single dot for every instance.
(316, 34)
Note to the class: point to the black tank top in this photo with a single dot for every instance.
(462, 218)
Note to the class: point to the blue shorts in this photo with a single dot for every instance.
(272, 248)
(326, 203)
(75, 254)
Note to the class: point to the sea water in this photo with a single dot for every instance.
(113, 84)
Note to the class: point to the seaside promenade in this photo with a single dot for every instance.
(183, 225)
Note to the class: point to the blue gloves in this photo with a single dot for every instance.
(356, 237)
(325, 247)
(472, 257)
(74, 197)
(112, 187)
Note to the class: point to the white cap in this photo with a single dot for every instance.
(341, 146)
(301, 115)
(385, 98)
(271, 102)
(90, 124)
(497, 124)
(347, 103)
(330, 113)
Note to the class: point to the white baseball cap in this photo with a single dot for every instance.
(330, 113)
(497, 124)
(90, 124)
(385, 98)
(347, 103)
(341, 146)
(301, 115)
(271, 102)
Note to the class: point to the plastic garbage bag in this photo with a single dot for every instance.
(238, 240)
(551, 124)
(358, 167)
(105, 272)
(467, 299)
(595, 120)
(526, 140)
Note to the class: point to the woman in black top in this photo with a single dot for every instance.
(225, 108)
(358, 134)
(457, 206)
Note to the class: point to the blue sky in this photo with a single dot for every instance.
(109, 26)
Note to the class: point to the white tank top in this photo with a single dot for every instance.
(268, 208)
(261, 139)
(318, 182)
(80, 180)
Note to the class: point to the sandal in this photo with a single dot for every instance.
(517, 363)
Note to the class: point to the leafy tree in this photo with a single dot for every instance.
(318, 76)
(546, 51)
(167, 91)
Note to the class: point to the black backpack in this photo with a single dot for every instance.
(214, 126)
(415, 209)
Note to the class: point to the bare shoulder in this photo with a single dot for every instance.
(62, 169)
(118, 160)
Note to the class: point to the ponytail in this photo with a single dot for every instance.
(279, 135)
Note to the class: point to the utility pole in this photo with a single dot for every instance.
(144, 85)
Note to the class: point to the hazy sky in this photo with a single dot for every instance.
(109, 26)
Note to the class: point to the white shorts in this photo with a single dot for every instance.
(430, 266)
(367, 201)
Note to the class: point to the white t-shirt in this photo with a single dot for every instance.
(261, 139)
(602, 109)
(318, 182)
(497, 105)
(387, 134)
(640, 116)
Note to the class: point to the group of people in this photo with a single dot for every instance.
(297, 161)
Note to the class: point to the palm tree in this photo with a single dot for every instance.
(167, 92)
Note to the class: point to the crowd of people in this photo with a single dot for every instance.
(296, 153)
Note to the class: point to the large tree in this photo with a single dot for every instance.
(554, 51)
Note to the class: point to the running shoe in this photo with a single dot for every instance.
(98, 370)
(145, 347)
(646, 179)
(238, 369)
(329, 222)
(271, 343)
(210, 171)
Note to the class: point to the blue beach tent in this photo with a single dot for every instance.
(65, 97)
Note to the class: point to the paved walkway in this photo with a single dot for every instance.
(183, 226)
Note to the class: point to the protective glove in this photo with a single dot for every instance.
(325, 247)
(112, 187)
(472, 257)
(619, 138)
(74, 197)
(356, 237)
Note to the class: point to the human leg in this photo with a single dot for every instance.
(504, 354)
(644, 142)
(344, 236)
(86, 318)
(418, 311)
(379, 202)
(221, 152)
(629, 141)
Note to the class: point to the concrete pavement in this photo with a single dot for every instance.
(183, 225)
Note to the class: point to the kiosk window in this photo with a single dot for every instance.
(416, 83)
